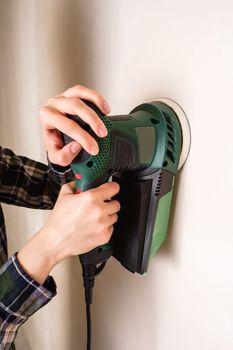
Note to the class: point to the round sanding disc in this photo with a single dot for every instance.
(185, 128)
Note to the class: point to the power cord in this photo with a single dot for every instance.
(92, 263)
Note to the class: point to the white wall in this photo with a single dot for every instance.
(133, 51)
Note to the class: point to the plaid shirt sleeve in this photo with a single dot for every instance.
(28, 183)
(25, 182)
(20, 297)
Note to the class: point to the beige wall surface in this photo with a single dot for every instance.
(132, 51)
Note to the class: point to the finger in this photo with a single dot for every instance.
(74, 106)
(90, 95)
(107, 190)
(110, 232)
(51, 118)
(110, 221)
(112, 207)
(107, 235)
(113, 219)
(52, 137)
(57, 152)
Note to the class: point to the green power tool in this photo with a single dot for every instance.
(143, 152)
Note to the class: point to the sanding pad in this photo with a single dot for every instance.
(185, 128)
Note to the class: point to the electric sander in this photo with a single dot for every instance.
(143, 152)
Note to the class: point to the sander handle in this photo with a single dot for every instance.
(102, 253)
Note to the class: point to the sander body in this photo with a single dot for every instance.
(143, 152)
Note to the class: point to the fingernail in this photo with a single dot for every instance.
(94, 150)
(103, 131)
(106, 107)
(75, 148)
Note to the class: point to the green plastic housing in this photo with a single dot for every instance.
(155, 118)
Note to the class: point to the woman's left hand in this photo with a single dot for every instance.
(53, 119)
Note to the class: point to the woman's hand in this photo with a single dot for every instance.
(78, 224)
(53, 120)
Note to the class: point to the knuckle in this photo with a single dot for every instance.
(78, 87)
(114, 218)
(100, 223)
(98, 215)
(97, 97)
(74, 102)
(94, 119)
(69, 126)
(50, 101)
(43, 112)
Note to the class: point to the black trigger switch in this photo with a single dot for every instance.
(81, 157)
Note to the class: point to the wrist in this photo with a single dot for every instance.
(37, 257)
(54, 246)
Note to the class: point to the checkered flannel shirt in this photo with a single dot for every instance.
(23, 182)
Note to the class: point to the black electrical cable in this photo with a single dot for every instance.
(88, 314)
(90, 271)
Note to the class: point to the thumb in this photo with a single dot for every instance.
(63, 156)
(75, 148)
(70, 151)
(108, 190)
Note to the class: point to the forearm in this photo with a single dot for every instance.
(38, 257)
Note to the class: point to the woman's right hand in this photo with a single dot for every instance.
(81, 222)
(78, 224)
